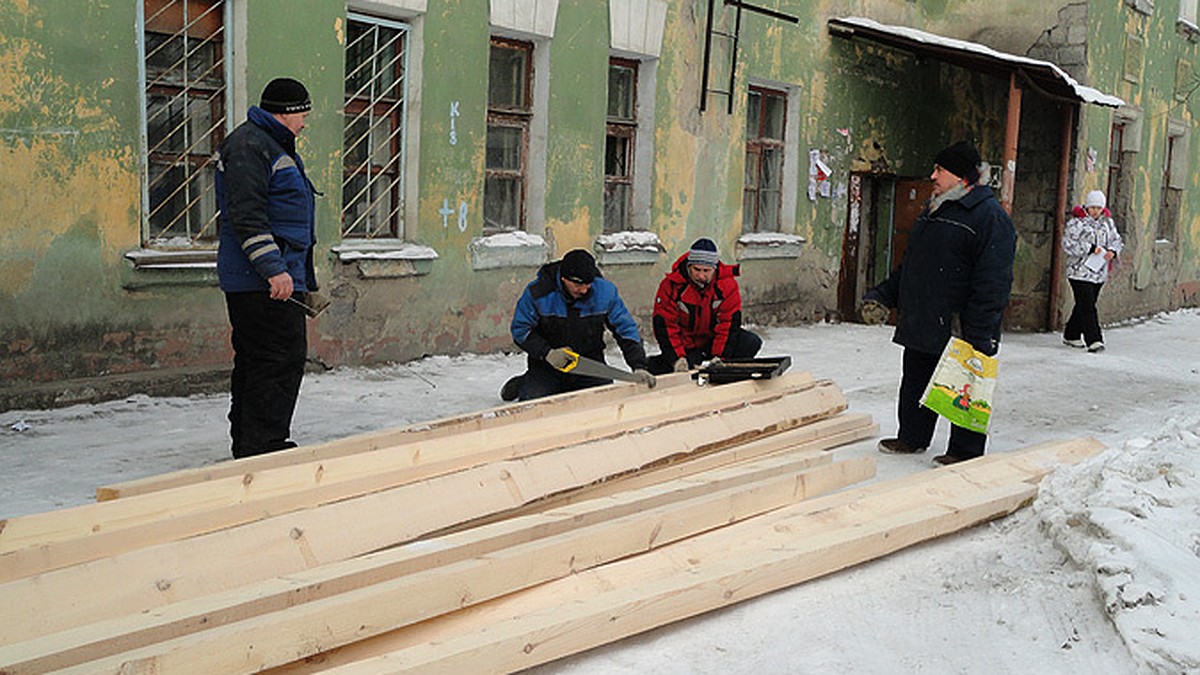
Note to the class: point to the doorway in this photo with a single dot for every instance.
(881, 213)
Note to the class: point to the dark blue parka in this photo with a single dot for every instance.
(545, 319)
(958, 264)
(267, 208)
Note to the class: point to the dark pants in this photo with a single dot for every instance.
(541, 379)
(269, 349)
(917, 422)
(1084, 320)
(742, 344)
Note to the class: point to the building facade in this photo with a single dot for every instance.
(459, 144)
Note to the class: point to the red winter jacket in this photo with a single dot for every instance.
(691, 319)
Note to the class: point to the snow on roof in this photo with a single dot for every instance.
(1083, 93)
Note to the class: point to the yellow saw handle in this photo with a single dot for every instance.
(572, 363)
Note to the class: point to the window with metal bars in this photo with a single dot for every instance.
(510, 72)
(374, 144)
(763, 187)
(618, 147)
(183, 56)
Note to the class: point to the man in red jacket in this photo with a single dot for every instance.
(698, 313)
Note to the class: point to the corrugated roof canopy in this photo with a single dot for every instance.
(1048, 77)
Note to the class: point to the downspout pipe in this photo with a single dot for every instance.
(1012, 135)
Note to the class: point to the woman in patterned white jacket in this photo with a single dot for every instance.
(1092, 244)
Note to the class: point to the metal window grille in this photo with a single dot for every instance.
(374, 134)
(510, 72)
(182, 70)
(619, 144)
(763, 187)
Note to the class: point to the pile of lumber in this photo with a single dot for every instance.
(490, 541)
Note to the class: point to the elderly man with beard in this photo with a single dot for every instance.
(955, 279)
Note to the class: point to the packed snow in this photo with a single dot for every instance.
(1101, 574)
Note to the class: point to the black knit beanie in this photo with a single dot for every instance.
(578, 266)
(283, 95)
(960, 159)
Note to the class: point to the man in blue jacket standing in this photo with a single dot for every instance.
(265, 265)
(955, 279)
(567, 307)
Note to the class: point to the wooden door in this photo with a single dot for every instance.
(911, 195)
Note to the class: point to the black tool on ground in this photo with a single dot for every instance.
(719, 371)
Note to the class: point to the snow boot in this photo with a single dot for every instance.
(511, 389)
(895, 446)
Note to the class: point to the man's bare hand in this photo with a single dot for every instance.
(281, 286)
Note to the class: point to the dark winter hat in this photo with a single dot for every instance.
(283, 95)
(703, 252)
(578, 266)
(960, 159)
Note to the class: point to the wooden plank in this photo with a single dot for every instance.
(147, 578)
(820, 435)
(42, 542)
(391, 601)
(783, 548)
(474, 421)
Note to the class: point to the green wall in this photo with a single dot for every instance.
(72, 306)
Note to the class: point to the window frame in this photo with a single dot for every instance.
(625, 129)
(199, 166)
(520, 117)
(1174, 177)
(755, 146)
(394, 111)
(1116, 165)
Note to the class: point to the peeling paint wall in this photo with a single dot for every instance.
(1154, 275)
(72, 306)
(70, 197)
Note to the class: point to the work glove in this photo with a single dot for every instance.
(681, 366)
(874, 313)
(559, 358)
(644, 377)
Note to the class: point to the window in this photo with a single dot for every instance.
(183, 56)
(509, 113)
(619, 144)
(1175, 178)
(1135, 53)
(1116, 143)
(373, 137)
(763, 188)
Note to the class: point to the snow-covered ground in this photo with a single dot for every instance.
(1100, 575)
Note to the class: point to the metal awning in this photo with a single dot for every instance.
(1044, 76)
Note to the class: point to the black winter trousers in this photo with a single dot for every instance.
(1084, 321)
(917, 423)
(269, 348)
(543, 380)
